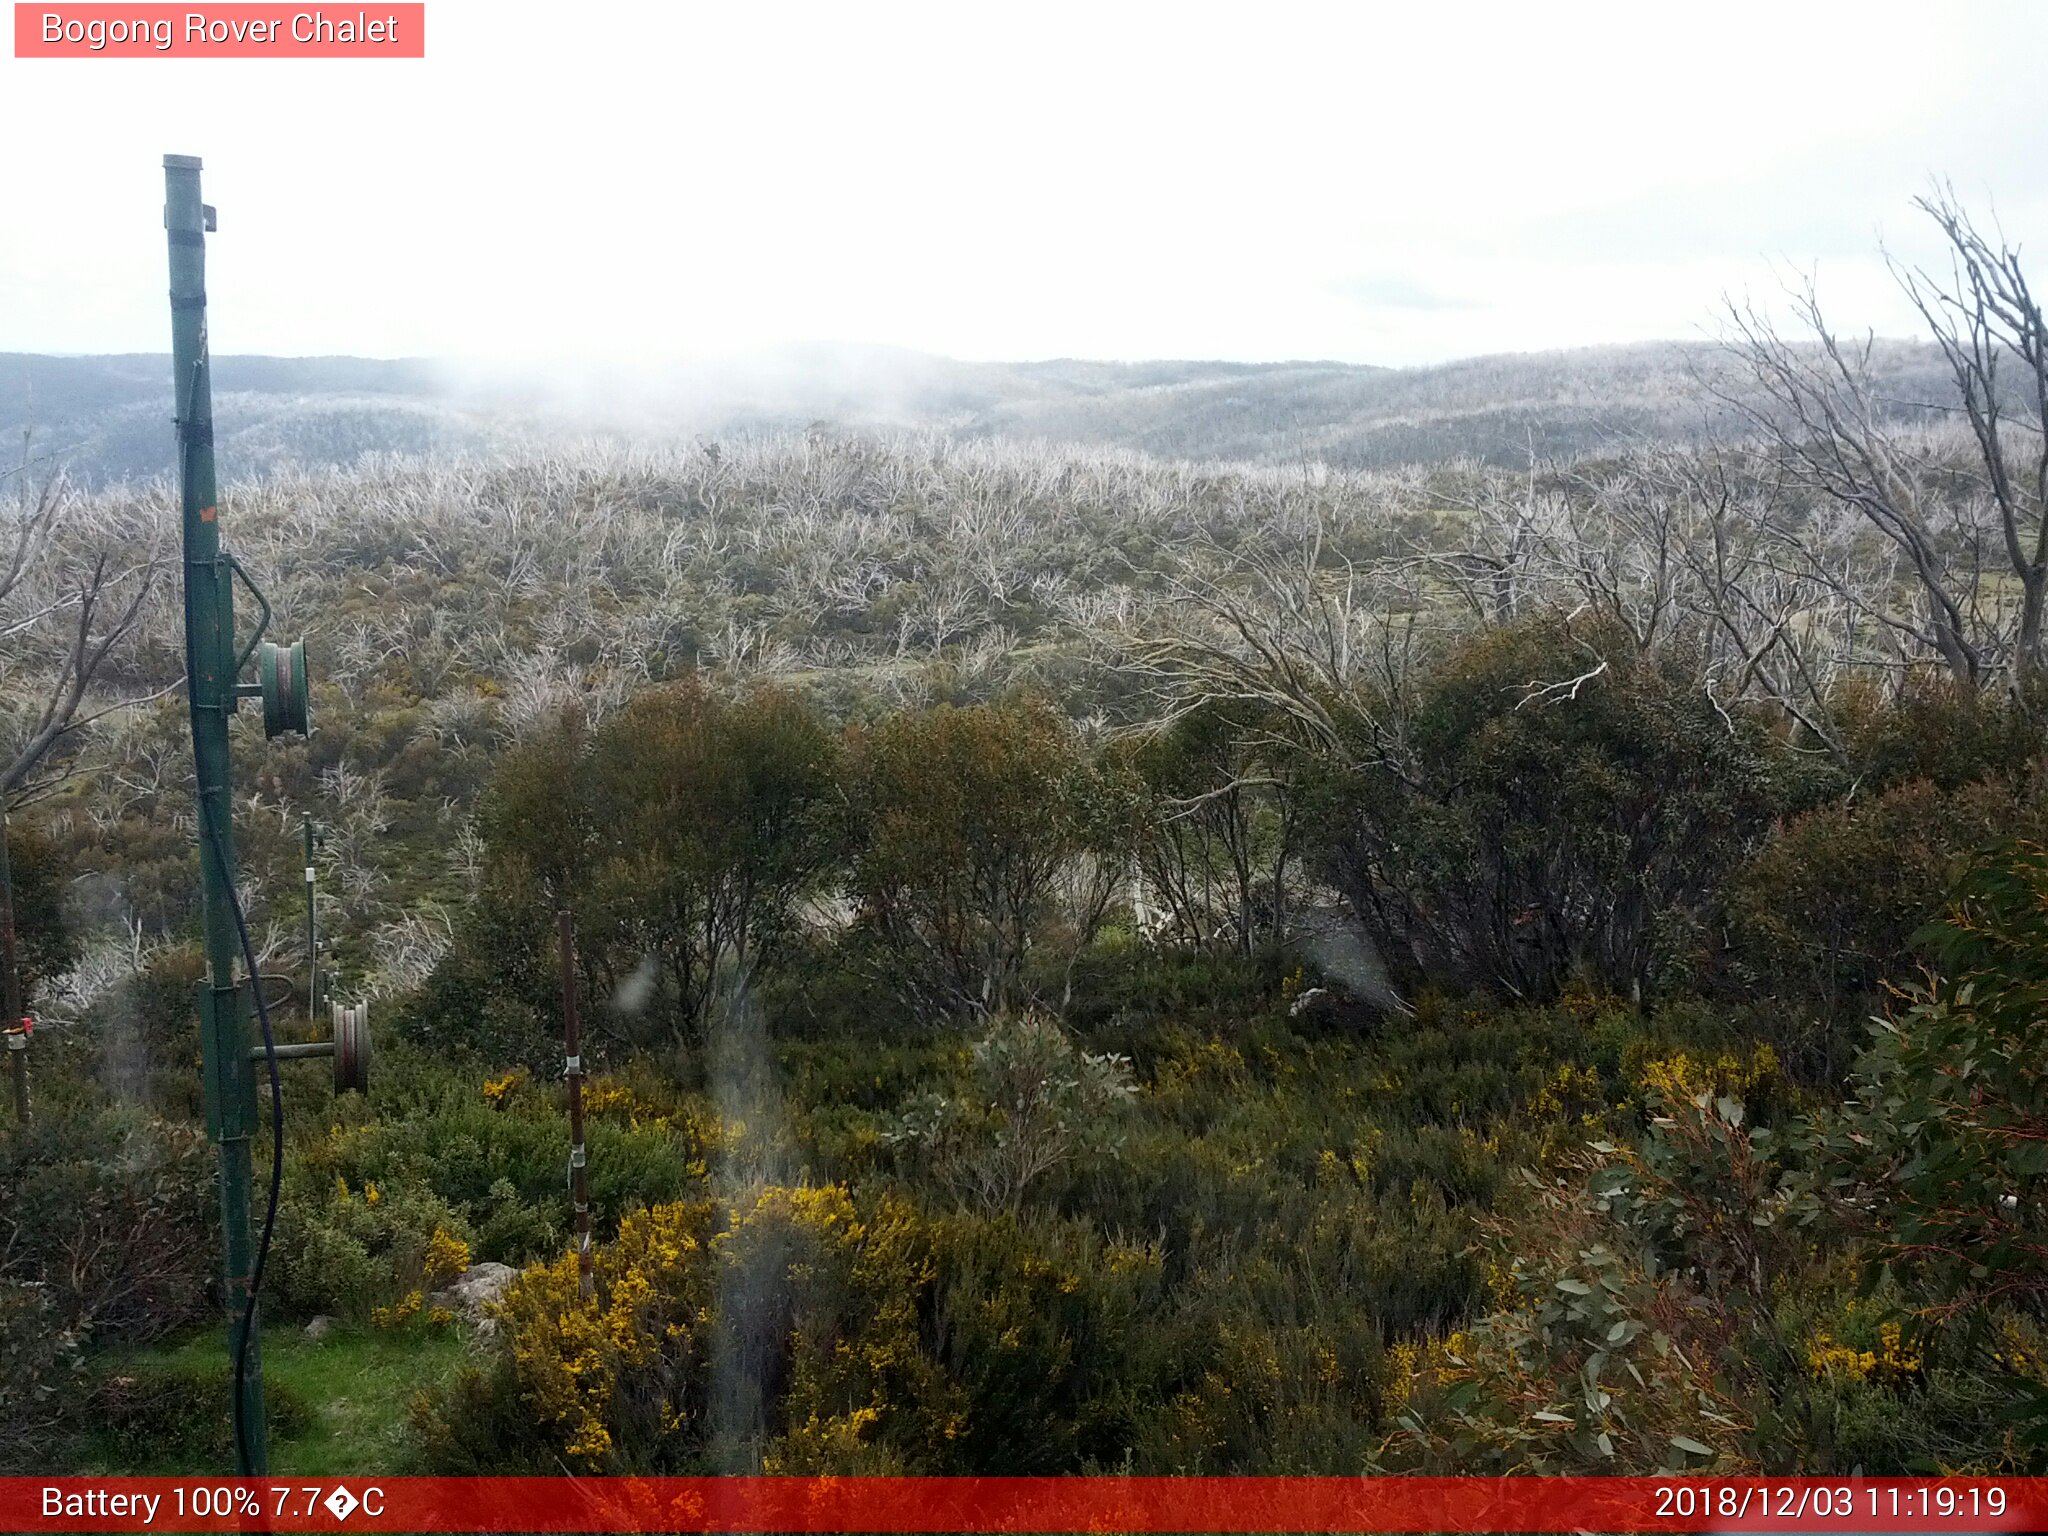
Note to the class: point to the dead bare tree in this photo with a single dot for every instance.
(1305, 639)
(66, 604)
(1818, 402)
(1984, 317)
(1773, 604)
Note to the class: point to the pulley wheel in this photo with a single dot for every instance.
(281, 671)
(352, 1048)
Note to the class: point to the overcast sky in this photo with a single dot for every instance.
(1375, 183)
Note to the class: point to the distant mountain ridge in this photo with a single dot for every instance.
(107, 418)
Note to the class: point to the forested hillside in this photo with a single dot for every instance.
(107, 418)
(1094, 960)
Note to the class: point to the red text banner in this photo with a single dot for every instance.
(224, 31)
(1039, 1505)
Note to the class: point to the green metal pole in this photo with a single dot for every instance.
(210, 686)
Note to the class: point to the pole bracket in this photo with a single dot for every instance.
(262, 602)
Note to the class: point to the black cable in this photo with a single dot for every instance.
(220, 854)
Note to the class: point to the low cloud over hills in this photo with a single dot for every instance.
(108, 418)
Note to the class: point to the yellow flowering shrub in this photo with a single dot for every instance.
(859, 1372)
(796, 1272)
(637, 1096)
(842, 1445)
(859, 1335)
(2018, 1346)
(447, 1258)
(1572, 1093)
(1682, 1077)
(602, 1096)
(403, 1311)
(1409, 1367)
(1192, 1067)
(1267, 1392)
(1884, 1357)
(627, 1357)
(1401, 1360)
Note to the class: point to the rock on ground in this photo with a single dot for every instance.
(472, 1292)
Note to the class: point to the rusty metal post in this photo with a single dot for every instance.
(12, 1022)
(16, 1036)
(312, 930)
(572, 1044)
(10, 978)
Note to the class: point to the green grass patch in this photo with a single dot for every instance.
(336, 1406)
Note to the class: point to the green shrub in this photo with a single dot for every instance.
(988, 847)
(1948, 1131)
(685, 833)
(497, 1153)
(353, 1251)
(44, 943)
(1031, 1102)
(1939, 730)
(494, 998)
(114, 1212)
(39, 1377)
(1683, 1300)
(1217, 819)
(1528, 834)
(1824, 914)
(179, 1412)
(139, 1043)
